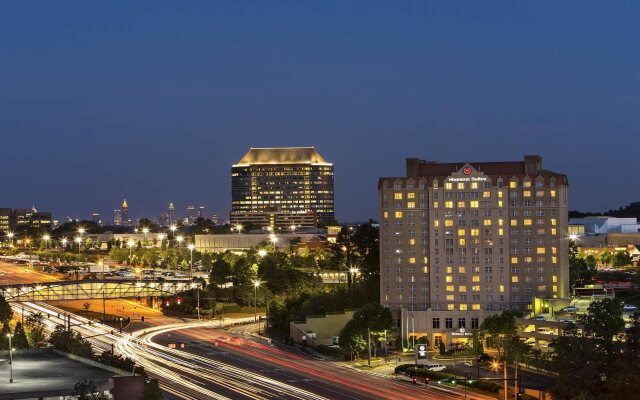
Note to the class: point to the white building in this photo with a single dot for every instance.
(603, 225)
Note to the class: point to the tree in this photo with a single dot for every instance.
(351, 340)
(19, 340)
(85, 389)
(6, 313)
(603, 321)
(442, 349)
(621, 259)
(36, 330)
(152, 390)
(70, 342)
(4, 339)
(221, 271)
(500, 332)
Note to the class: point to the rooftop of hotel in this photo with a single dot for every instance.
(282, 155)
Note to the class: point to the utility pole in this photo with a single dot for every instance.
(515, 382)
(198, 295)
(506, 388)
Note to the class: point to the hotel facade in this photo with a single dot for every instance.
(461, 241)
(281, 187)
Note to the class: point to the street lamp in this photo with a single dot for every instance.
(78, 240)
(130, 243)
(9, 335)
(28, 241)
(10, 235)
(179, 239)
(262, 253)
(273, 238)
(573, 237)
(256, 285)
(293, 228)
(173, 228)
(191, 247)
(239, 228)
(64, 243)
(46, 240)
(145, 230)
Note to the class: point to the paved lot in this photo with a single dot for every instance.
(11, 274)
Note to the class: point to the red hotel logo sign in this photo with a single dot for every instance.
(467, 170)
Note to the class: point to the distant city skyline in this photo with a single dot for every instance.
(101, 103)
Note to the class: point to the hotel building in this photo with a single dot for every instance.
(461, 241)
(280, 187)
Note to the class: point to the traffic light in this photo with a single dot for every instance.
(414, 378)
(469, 380)
(167, 303)
(453, 381)
(179, 300)
(426, 380)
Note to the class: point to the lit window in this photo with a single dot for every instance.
(514, 260)
(460, 185)
(474, 204)
(398, 214)
(463, 307)
(554, 278)
(526, 193)
(411, 195)
(385, 214)
(462, 242)
(514, 222)
(486, 194)
(527, 222)
(435, 204)
(475, 232)
(514, 279)
(555, 288)
(448, 204)
(527, 184)
(513, 184)
(500, 231)
(411, 204)
(450, 288)
(462, 270)
(448, 222)
(540, 250)
(499, 203)
(448, 185)
(462, 232)
(502, 288)
(475, 307)
(487, 222)
(436, 223)
(553, 193)
(449, 270)
(474, 185)
(553, 231)
(554, 260)
(553, 221)
(397, 196)
(451, 297)
(500, 194)
(476, 278)
(448, 278)
(462, 288)
(554, 250)
(451, 307)
(461, 204)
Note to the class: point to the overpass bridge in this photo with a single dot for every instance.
(93, 289)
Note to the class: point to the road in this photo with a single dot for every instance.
(12, 274)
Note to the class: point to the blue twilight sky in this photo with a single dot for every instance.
(154, 100)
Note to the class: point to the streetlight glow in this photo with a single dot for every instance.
(262, 252)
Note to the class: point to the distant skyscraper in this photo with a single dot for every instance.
(215, 218)
(163, 220)
(201, 213)
(171, 214)
(125, 213)
(280, 187)
(117, 217)
(95, 217)
(191, 214)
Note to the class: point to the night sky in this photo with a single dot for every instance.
(154, 101)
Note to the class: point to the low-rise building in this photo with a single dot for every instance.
(243, 242)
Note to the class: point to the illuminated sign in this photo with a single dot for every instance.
(466, 171)
(468, 179)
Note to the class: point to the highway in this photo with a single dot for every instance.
(216, 365)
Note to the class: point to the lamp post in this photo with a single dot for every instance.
(46, 241)
(293, 228)
(64, 243)
(10, 235)
(262, 253)
(239, 228)
(191, 247)
(256, 284)
(173, 228)
(78, 240)
(274, 239)
(130, 243)
(9, 335)
(179, 239)
(145, 230)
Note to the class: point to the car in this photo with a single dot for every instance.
(539, 318)
(629, 307)
(569, 309)
(484, 357)
(436, 367)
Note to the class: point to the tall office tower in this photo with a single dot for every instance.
(117, 217)
(16, 218)
(95, 217)
(461, 241)
(201, 212)
(171, 214)
(215, 218)
(280, 187)
(125, 214)
(191, 215)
